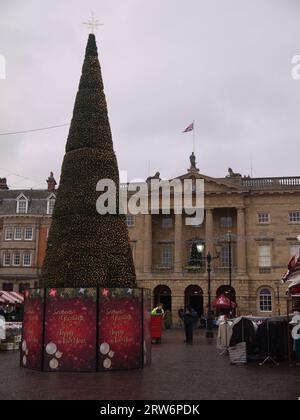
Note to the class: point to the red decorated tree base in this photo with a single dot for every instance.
(86, 330)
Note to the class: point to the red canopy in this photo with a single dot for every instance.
(295, 290)
(222, 302)
(11, 297)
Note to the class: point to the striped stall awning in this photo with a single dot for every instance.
(11, 297)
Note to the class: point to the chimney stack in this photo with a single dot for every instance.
(3, 184)
(51, 183)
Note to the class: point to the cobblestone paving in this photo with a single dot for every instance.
(178, 371)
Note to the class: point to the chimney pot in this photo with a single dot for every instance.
(3, 184)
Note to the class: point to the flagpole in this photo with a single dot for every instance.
(194, 136)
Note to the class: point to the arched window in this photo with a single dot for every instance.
(230, 294)
(193, 297)
(227, 291)
(265, 300)
(162, 294)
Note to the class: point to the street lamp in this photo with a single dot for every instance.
(230, 270)
(278, 299)
(200, 248)
(229, 238)
(209, 332)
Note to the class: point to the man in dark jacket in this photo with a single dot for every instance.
(188, 326)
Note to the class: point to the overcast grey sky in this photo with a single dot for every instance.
(224, 63)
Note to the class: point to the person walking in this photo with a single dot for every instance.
(158, 310)
(195, 317)
(188, 326)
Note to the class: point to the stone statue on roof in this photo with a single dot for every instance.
(193, 167)
(232, 174)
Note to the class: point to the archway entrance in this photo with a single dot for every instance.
(163, 294)
(194, 298)
(230, 293)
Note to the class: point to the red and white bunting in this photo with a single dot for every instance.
(11, 297)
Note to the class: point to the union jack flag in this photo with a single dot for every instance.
(293, 270)
(189, 128)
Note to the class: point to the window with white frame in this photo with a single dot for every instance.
(167, 223)
(18, 234)
(130, 220)
(8, 234)
(50, 204)
(27, 259)
(28, 233)
(17, 258)
(167, 255)
(225, 256)
(226, 222)
(263, 218)
(295, 250)
(6, 259)
(294, 217)
(264, 258)
(265, 300)
(22, 205)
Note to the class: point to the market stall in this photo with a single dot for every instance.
(258, 339)
(224, 305)
(13, 336)
(269, 339)
(292, 279)
(11, 308)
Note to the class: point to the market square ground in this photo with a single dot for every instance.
(178, 371)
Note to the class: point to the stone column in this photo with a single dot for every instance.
(148, 243)
(241, 241)
(209, 231)
(178, 244)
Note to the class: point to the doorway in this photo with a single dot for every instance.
(163, 294)
(194, 298)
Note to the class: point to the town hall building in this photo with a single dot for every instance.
(250, 228)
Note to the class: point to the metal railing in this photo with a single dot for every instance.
(188, 268)
(162, 267)
(193, 269)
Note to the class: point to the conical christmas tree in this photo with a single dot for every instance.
(84, 248)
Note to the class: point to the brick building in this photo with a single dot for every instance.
(258, 219)
(25, 218)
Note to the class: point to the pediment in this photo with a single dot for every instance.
(22, 197)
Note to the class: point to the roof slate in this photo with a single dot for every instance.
(37, 201)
